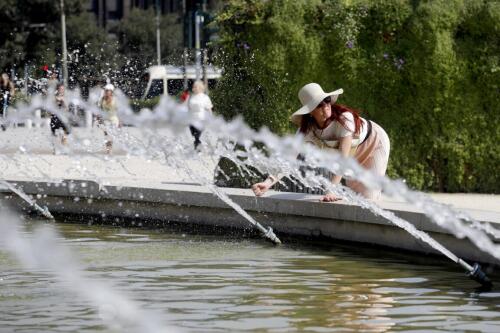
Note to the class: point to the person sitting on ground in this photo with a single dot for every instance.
(58, 126)
(333, 126)
(110, 109)
(199, 105)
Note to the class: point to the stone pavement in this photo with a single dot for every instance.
(30, 154)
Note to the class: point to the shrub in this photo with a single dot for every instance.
(426, 71)
(139, 104)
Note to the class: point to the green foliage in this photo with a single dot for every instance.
(265, 43)
(31, 30)
(138, 36)
(92, 56)
(427, 71)
(139, 104)
(32, 36)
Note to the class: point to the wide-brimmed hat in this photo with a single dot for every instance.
(310, 96)
(109, 86)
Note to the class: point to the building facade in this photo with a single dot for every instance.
(110, 11)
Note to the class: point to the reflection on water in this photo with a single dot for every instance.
(212, 283)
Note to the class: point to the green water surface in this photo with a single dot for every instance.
(227, 283)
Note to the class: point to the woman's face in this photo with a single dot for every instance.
(323, 111)
(108, 93)
(197, 89)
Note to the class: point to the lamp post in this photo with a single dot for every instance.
(186, 43)
(197, 42)
(158, 50)
(64, 48)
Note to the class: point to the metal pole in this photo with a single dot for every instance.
(186, 42)
(205, 61)
(184, 72)
(158, 50)
(100, 9)
(198, 19)
(64, 49)
(26, 78)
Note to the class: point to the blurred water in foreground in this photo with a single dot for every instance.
(204, 283)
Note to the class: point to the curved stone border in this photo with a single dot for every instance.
(286, 213)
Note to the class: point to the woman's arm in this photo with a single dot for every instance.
(262, 187)
(209, 105)
(12, 89)
(344, 149)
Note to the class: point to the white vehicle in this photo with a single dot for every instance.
(160, 78)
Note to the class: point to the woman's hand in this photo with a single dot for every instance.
(330, 197)
(261, 188)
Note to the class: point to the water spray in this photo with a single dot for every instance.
(169, 114)
(268, 233)
(474, 272)
(44, 211)
(44, 252)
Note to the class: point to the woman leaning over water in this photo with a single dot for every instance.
(334, 126)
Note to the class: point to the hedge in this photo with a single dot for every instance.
(427, 71)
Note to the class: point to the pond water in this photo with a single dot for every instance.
(217, 283)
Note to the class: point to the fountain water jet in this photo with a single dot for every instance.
(280, 157)
(45, 252)
(44, 211)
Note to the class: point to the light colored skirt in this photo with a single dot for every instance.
(373, 154)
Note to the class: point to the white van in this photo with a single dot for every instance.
(169, 79)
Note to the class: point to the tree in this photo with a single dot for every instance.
(137, 40)
(427, 71)
(34, 36)
(92, 54)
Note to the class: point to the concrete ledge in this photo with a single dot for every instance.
(286, 213)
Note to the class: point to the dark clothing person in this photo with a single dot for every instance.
(196, 133)
(4, 100)
(56, 123)
(7, 91)
(4, 104)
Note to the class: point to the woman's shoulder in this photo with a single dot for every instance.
(205, 97)
(348, 116)
(198, 97)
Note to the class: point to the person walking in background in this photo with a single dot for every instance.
(331, 126)
(199, 106)
(7, 92)
(58, 124)
(52, 80)
(110, 110)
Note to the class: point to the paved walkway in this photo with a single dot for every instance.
(31, 154)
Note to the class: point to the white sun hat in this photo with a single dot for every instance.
(310, 96)
(109, 86)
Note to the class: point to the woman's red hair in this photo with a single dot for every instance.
(337, 111)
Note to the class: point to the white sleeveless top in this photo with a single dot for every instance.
(329, 136)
